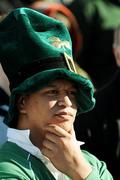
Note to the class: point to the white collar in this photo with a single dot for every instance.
(21, 138)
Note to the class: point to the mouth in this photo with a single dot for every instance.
(64, 115)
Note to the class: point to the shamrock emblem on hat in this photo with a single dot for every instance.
(55, 41)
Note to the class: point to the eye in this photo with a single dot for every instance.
(72, 93)
(52, 92)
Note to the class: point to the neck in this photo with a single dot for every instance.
(36, 139)
(36, 136)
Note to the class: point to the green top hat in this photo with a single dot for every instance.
(34, 50)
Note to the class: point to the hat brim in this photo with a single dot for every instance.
(85, 88)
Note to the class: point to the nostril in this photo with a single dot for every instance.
(60, 103)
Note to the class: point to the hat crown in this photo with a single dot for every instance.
(28, 37)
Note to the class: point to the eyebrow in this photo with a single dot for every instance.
(54, 86)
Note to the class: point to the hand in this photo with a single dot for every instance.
(64, 152)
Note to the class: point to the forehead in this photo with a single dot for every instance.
(61, 83)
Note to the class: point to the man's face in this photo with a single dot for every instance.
(54, 104)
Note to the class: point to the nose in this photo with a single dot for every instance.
(64, 101)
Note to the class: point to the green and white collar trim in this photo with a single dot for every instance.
(21, 138)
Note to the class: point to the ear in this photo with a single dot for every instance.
(21, 104)
(116, 52)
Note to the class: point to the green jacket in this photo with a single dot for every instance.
(18, 164)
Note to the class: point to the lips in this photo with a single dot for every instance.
(62, 117)
(63, 113)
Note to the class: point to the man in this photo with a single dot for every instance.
(4, 101)
(46, 95)
(3, 112)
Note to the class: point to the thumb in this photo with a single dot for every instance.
(72, 132)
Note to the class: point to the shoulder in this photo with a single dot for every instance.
(11, 162)
(93, 160)
(100, 170)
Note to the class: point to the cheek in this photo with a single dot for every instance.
(40, 112)
(51, 104)
(33, 109)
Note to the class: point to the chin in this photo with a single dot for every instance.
(65, 127)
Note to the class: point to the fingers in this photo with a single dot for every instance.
(48, 144)
(47, 152)
(51, 137)
(56, 130)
